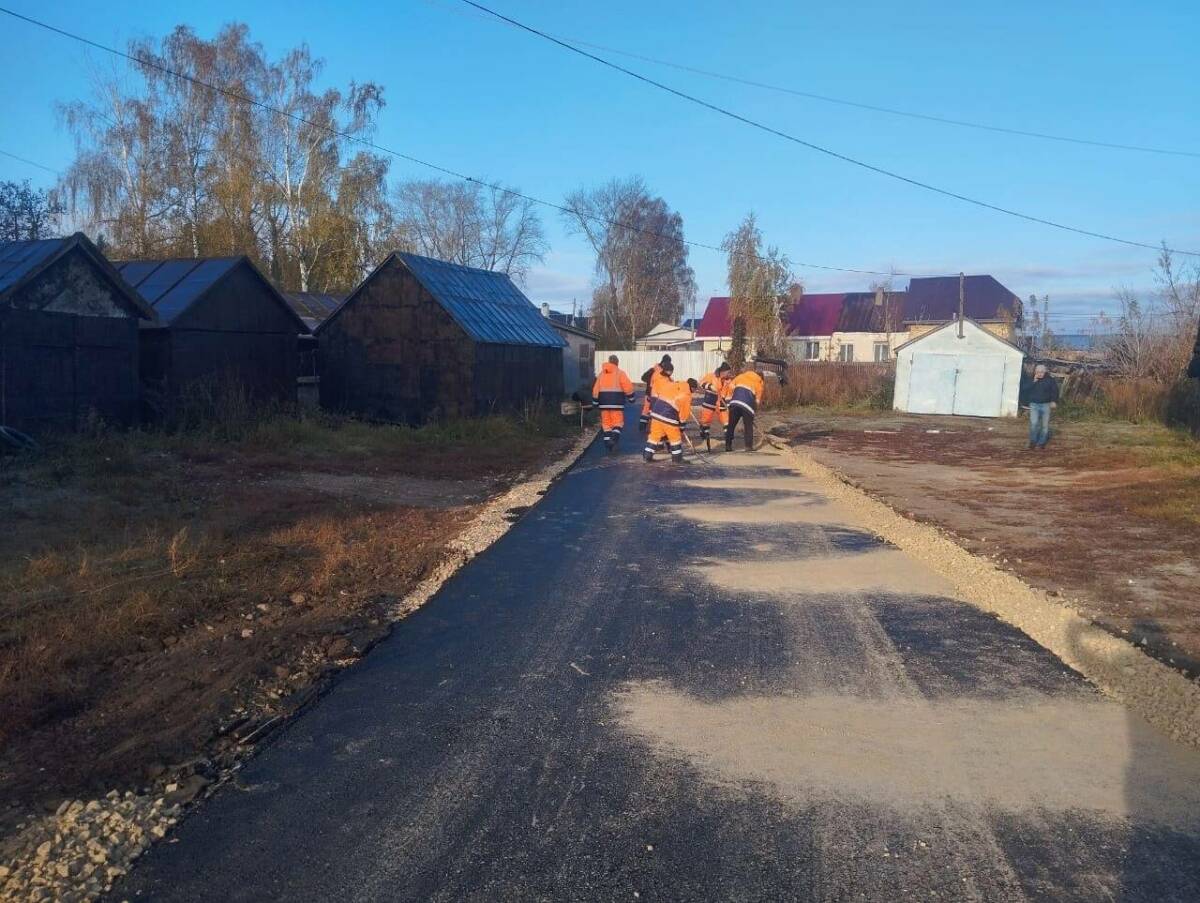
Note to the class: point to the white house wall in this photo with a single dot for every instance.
(977, 375)
(864, 344)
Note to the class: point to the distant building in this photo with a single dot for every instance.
(313, 307)
(580, 354)
(958, 369)
(858, 327)
(810, 321)
(68, 337)
(220, 320)
(869, 327)
(933, 301)
(668, 337)
(421, 338)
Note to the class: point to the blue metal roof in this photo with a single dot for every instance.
(170, 286)
(484, 303)
(18, 258)
(313, 307)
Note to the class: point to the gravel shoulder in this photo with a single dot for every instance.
(1163, 695)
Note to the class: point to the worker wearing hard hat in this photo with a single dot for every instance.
(612, 390)
(651, 378)
(669, 410)
(743, 394)
(712, 406)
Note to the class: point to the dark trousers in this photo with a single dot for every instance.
(736, 413)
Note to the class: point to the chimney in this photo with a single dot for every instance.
(545, 310)
(879, 297)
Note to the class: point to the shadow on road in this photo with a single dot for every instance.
(1156, 853)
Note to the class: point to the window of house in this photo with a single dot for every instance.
(587, 357)
(882, 352)
(812, 351)
(846, 354)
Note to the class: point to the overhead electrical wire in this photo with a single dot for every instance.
(366, 142)
(4, 153)
(845, 158)
(841, 101)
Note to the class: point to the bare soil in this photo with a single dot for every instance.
(1107, 517)
(160, 607)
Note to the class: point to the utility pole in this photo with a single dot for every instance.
(961, 280)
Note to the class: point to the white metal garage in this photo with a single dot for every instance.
(973, 373)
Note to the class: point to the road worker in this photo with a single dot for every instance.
(743, 395)
(612, 391)
(650, 378)
(669, 411)
(713, 405)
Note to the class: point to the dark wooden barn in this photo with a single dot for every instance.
(220, 321)
(68, 337)
(421, 339)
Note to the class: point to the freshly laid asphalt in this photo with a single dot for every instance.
(697, 682)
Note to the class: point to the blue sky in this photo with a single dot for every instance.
(485, 99)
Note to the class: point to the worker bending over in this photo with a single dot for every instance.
(651, 378)
(612, 390)
(743, 395)
(713, 405)
(671, 407)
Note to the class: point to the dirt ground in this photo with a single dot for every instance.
(164, 604)
(1107, 517)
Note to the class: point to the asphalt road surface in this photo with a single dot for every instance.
(696, 682)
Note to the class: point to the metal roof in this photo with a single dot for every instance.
(866, 312)
(934, 299)
(21, 261)
(313, 307)
(815, 315)
(172, 286)
(19, 258)
(484, 303)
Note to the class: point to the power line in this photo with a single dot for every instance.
(779, 133)
(4, 153)
(233, 95)
(875, 108)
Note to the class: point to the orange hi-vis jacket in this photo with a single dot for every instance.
(612, 388)
(653, 378)
(712, 384)
(672, 404)
(745, 391)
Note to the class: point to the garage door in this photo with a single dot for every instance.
(979, 390)
(931, 383)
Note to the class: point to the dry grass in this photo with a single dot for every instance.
(132, 563)
(834, 385)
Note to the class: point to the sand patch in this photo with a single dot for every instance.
(776, 511)
(912, 753)
(781, 483)
(879, 570)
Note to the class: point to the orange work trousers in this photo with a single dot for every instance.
(706, 417)
(611, 421)
(661, 433)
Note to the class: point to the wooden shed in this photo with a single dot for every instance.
(422, 338)
(68, 336)
(219, 319)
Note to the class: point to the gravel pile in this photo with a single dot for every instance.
(78, 852)
(1163, 696)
